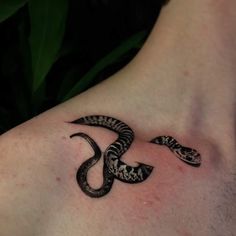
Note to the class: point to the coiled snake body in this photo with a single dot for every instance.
(113, 167)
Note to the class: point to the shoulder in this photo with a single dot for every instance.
(31, 173)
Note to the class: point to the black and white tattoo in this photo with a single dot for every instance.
(113, 167)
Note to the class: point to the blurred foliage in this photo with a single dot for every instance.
(53, 50)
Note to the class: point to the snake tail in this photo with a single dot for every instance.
(82, 172)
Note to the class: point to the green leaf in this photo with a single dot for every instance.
(134, 41)
(47, 19)
(9, 7)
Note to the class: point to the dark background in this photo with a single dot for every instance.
(93, 29)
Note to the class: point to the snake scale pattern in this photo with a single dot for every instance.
(114, 167)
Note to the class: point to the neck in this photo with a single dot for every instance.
(189, 60)
(193, 36)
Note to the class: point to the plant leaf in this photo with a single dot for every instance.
(9, 7)
(47, 20)
(134, 41)
(68, 82)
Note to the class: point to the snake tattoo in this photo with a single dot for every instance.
(113, 166)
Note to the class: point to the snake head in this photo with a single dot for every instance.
(191, 156)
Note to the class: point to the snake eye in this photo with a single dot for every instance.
(186, 151)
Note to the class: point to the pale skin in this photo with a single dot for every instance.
(182, 83)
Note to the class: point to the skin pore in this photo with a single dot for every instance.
(182, 83)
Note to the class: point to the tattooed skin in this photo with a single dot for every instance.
(114, 167)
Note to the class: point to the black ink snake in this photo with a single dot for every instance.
(113, 167)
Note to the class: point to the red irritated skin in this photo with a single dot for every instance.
(42, 185)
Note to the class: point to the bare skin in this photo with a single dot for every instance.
(182, 83)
